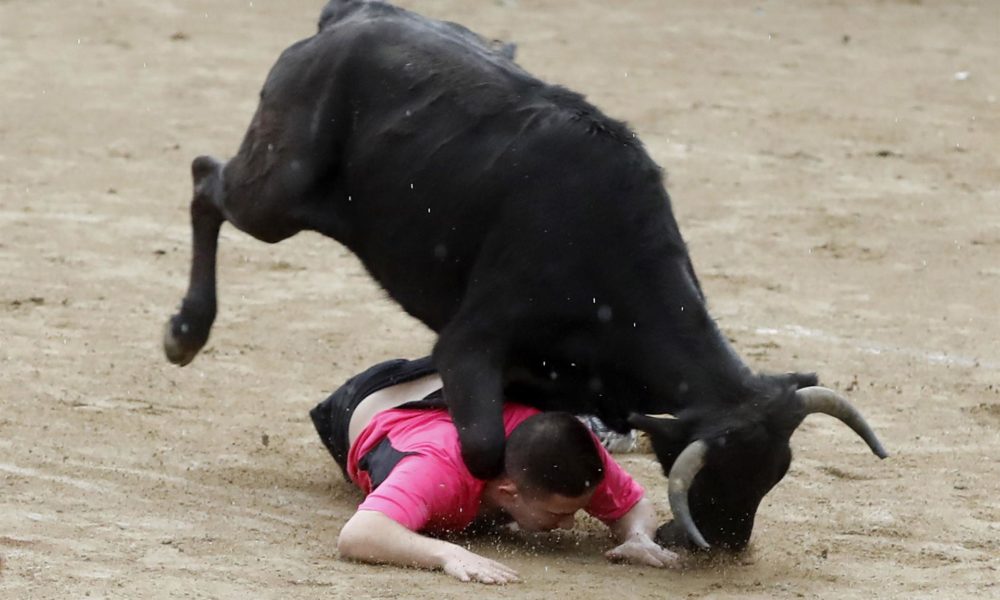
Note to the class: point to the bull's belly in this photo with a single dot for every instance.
(421, 251)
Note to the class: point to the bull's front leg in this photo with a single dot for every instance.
(473, 389)
(187, 331)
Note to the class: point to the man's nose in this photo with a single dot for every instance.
(567, 522)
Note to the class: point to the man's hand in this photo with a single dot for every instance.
(372, 537)
(468, 566)
(641, 550)
(634, 532)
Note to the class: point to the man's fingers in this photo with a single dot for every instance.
(651, 555)
(667, 556)
(485, 571)
(495, 578)
(505, 574)
(504, 569)
(646, 557)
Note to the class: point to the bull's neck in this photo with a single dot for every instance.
(707, 368)
(688, 359)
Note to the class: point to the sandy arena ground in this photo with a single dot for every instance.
(834, 166)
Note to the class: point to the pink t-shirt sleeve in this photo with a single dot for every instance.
(418, 492)
(616, 494)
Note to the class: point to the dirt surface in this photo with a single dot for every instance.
(834, 166)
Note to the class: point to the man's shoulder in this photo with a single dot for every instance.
(427, 489)
(518, 410)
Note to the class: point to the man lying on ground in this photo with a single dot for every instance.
(388, 430)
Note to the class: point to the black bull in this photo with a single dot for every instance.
(529, 230)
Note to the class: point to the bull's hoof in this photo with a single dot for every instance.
(174, 347)
(183, 338)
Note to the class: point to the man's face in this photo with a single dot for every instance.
(546, 512)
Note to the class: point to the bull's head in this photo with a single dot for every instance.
(722, 461)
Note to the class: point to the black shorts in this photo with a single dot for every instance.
(332, 417)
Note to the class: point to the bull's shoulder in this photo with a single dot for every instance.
(380, 32)
(391, 53)
(587, 118)
(338, 11)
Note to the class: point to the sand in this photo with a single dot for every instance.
(834, 166)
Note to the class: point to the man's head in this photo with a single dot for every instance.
(551, 468)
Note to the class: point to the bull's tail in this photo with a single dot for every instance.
(187, 331)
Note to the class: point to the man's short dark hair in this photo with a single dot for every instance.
(553, 453)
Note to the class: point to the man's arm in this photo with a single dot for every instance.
(370, 536)
(634, 533)
(621, 503)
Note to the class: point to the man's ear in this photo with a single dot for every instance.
(507, 488)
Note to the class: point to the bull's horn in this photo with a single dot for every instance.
(818, 399)
(682, 473)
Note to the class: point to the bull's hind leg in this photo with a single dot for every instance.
(187, 331)
(278, 183)
(270, 203)
(266, 193)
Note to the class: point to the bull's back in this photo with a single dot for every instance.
(455, 168)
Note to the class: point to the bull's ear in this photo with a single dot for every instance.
(506, 49)
(802, 380)
(668, 436)
(665, 425)
(796, 381)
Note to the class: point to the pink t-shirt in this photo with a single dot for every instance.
(433, 490)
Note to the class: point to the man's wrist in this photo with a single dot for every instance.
(441, 553)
